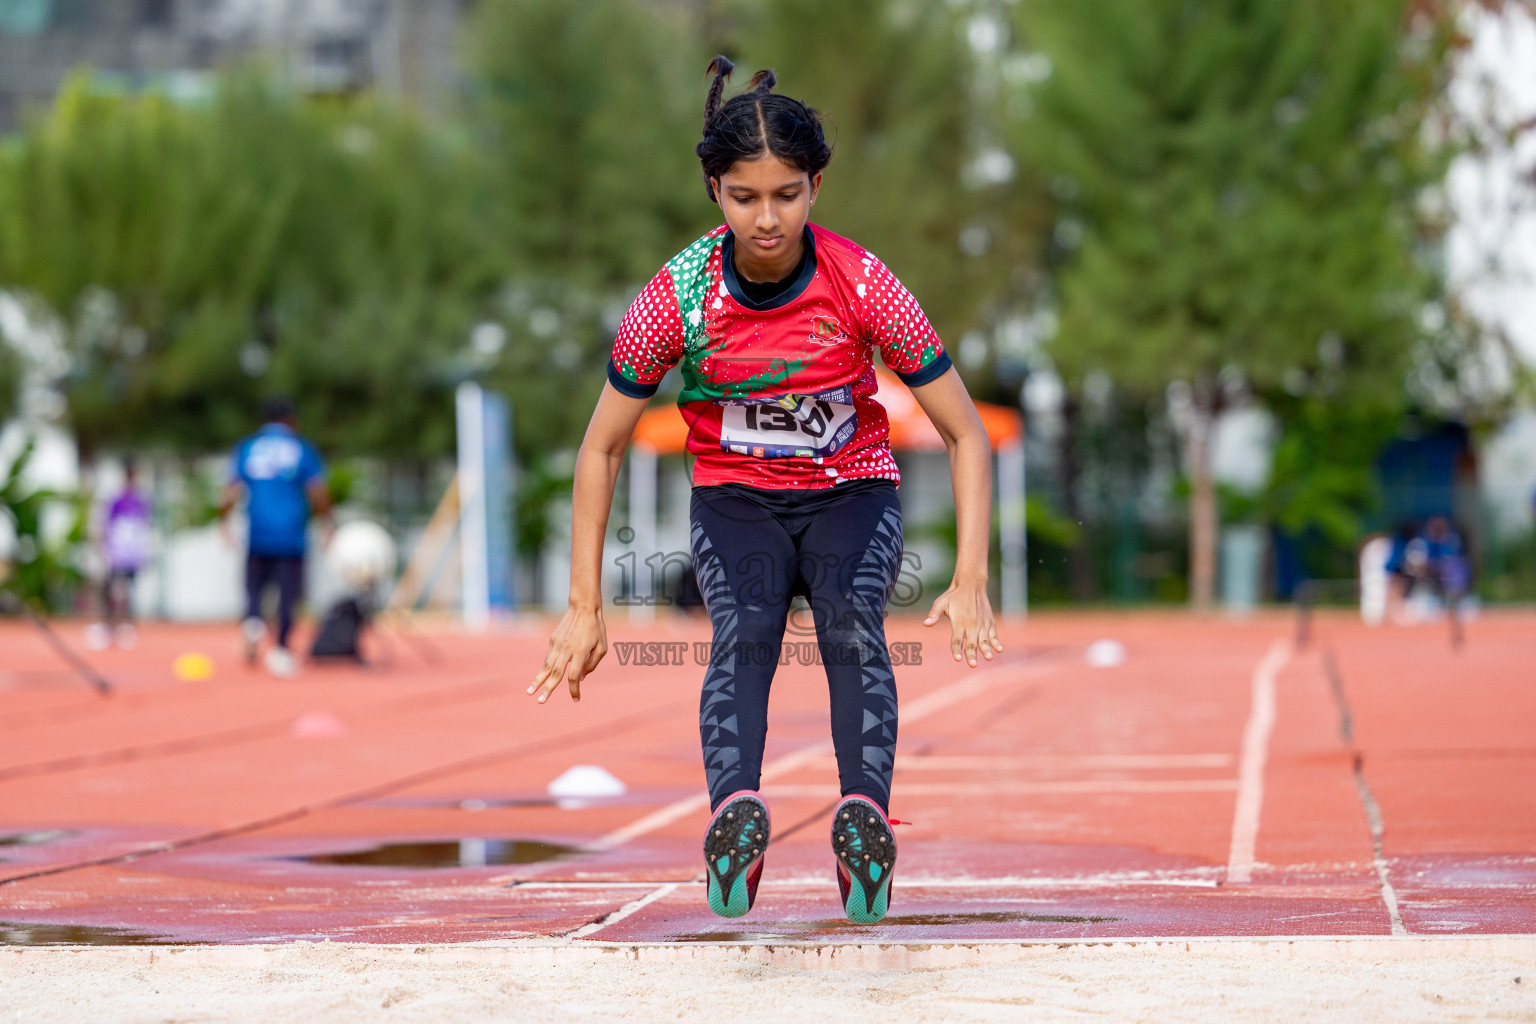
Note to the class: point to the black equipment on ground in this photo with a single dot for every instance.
(340, 631)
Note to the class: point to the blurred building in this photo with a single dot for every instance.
(399, 47)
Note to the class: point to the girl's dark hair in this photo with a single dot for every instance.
(755, 122)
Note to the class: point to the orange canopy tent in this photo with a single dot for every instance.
(663, 431)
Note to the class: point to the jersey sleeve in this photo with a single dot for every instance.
(650, 339)
(897, 324)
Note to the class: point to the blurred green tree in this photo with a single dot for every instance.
(920, 173)
(40, 569)
(10, 379)
(1240, 185)
(200, 256)
(588, 114)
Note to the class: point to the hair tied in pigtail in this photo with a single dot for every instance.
(763, 82)
(721, 67)
(757, 121)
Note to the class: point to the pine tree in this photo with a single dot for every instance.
(1239, 183)
(913, 128)
(588, 114)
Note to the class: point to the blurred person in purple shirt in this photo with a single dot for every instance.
(127, 542)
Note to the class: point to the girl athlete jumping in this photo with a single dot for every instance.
(775, 321)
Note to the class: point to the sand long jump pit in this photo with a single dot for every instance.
(1221, 825)
(1468, 979)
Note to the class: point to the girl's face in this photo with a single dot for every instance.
(766, 203)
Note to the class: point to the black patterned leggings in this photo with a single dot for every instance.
(753, 550)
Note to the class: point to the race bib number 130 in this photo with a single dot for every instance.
(803, 426)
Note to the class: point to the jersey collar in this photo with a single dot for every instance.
(784, 298)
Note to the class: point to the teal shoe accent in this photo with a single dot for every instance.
(734, 845)
(865, 849)
(860, 909)
(737, 904)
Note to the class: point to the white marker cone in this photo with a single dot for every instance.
(583, 782)
(1105, 654)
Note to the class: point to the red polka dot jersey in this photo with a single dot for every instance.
(778, 394)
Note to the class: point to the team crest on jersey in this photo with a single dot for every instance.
(825, 331)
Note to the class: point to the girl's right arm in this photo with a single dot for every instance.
(580, 640)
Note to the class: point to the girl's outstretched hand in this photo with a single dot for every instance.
(577, 644)
(971, 624)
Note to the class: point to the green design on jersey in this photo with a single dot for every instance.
(778, 370)
(690, 282)
(691, 279)
(695, 387)
(700, 388)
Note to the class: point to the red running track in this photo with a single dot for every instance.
(1217, 782)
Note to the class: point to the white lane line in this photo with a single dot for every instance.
(991, 885)
(940, 699)
(997, 885)
(586, 884)
(664, 816)
(1001, 885)
(1006, 788)
(1251, 762)
(1049, 762)
(1389, 897)
(1379, 859)
(660, 818)
(972, 685)
(624, 911)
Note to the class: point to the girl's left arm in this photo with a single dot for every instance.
(972, 625)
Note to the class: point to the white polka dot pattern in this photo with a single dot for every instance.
(821, 339)
(893, 320)
(650, 338)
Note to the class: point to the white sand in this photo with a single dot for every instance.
(342, 983)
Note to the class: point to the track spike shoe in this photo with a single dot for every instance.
(734, 845)
(865, 848)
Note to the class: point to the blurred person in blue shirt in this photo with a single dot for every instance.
(283, 478)
(1433, 558)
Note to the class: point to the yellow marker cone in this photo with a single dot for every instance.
(193, 667)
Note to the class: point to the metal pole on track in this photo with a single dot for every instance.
(100, 683)
(1012, 528)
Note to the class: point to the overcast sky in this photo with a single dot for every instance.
(1491, 252)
